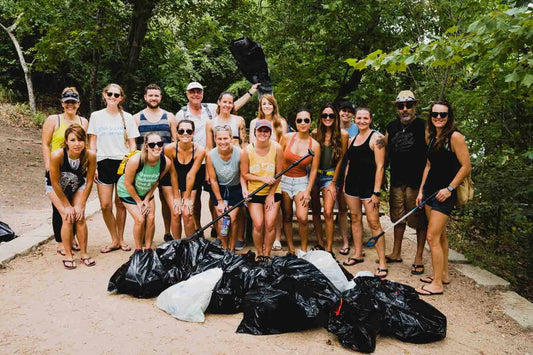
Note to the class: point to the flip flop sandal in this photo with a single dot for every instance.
(427, 292)
(276, 246)
(61, 251)
(106, 250)
(414, 268)
(125, 247)
(352, 261)
(429, 279)
(386, 271)
(69, 264)
(88, 261)
(76, 247)
(344, 250)
(391, 260)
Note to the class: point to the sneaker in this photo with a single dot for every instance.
(239, 245)
(168, 237)
(218, 242)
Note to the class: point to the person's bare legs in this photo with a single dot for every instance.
(233, 230)
(356, 215)
(138, 224)
(81, 227)
(278, 226)
(303, 222)
(175, 218)
(165, 210)
(420, 244)
(258, 222)
(286, 206)
(342, 217)
(329, 203)
(189, 224)
(396, 253)
(241, 223)
(105, 195)
(372, 216)
(316, 209)
(120, 219)
(149, 231)
(271, 217)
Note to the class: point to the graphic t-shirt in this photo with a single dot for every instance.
(143, 182)
(407, 152)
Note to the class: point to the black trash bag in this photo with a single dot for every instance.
(269, 310)
(355, 320)
(6, 233)
(141, 276)
(209, 256)
(251, 60)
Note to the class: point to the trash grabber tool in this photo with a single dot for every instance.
(238, 204)
(372, 241)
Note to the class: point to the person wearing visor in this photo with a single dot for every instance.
(53, 137)
(260, 162)
(406, 148)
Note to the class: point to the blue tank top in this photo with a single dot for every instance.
(161, 127)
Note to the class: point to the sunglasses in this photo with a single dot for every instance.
(196, 91)
(331, 116)
(401, 105)
(223, 128)
(111, 94)
(303, 120)
(153, 144)
(182, 131)
(441, 114)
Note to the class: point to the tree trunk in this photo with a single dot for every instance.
(351, 85)
(143, 10)
(25, 68)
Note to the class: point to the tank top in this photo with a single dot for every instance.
(362, 164)
(183, 169)
(160, 127)
(234, 124)
(289, 157)
(71, 176)
(326, 161)
(444, 166)
(262, 166)
(143, 181)
(58, 137)
(228, 172)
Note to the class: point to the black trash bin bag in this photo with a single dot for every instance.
(6, 233)
(141, 276)
(251, 60)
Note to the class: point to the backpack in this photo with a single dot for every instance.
(185, 109)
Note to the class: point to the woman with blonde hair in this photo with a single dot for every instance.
(52, 139)
(72, 171)
(112, 134)
(225, 117)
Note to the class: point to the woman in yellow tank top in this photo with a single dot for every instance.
(52, 138)
(260, 162)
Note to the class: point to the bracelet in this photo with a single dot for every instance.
(249, 93)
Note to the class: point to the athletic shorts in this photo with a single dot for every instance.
(232, 194)
(200, 180)
(445, 207)
(261, 198)
(165, 180)
(402, 200)
(131, 201)
(107, 171)
(324, 179)
(292, 185)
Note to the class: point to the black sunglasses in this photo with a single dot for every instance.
(400, 105)
(328, 115)
(442, 114)
(189, 131)
(115, 94)
(304, 120)
(153, 144)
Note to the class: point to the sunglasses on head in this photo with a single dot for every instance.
(331, 116)
(153, 144)
(303, 120)
(401, 105)
(441, 114)
(182, 131)
(115, 94)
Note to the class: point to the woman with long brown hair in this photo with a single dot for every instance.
(225, 117)
(333, 141)
(112, 134)
(72, 171)
(448, 163)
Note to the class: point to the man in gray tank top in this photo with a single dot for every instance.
(154, 119)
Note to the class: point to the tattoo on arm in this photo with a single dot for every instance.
(380, 142)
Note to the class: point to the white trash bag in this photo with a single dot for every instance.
(189, 299)
(324, 262)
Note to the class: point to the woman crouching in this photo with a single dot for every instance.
(136, 188)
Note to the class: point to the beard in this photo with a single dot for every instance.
(405, 119)
(152, 106)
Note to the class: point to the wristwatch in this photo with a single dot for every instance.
(377, 193)
(450, 188)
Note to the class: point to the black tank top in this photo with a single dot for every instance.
(362, 164)
(70, 179)
(444, 166)
(183, 169)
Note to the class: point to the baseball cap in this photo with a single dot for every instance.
(345, 105)
(263, 123)
(70, 96)
(194, 85)
(405, 95)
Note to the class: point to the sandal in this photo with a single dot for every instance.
(69, 264)
(276, 246)
(386, 271)
(106, 249)
(125, 247)
(344, 250)
(75, 247)
(88, 261)
(61, 251)
(429, 279)
(352, 261)
(417, 269)
(426, 292)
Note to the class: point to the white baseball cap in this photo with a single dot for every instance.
(194, 85)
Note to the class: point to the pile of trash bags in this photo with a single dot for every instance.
(285, 294)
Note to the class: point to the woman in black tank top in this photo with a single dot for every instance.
(447, 165)
(187, 158)
(364, 174)
(72, 172)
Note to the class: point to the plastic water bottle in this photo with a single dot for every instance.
(226, 221)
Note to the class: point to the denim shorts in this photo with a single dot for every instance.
(292, 185)
(48, 184)
(445, 207)
(324, 178)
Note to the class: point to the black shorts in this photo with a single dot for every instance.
(200, 182)
(445, 207)
(261, 198)
(107, 171)
(232, 194)
(165, 180)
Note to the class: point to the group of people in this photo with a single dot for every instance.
(206, 147)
